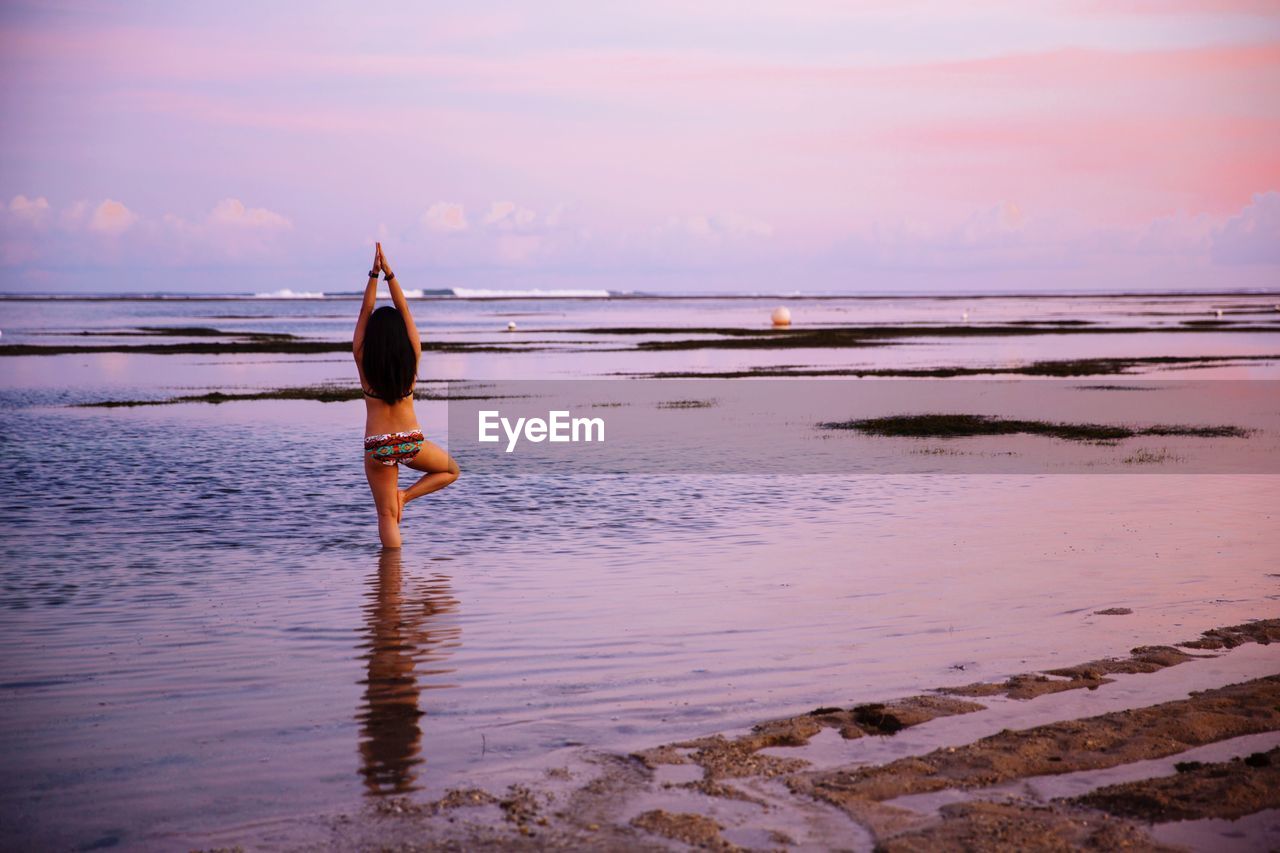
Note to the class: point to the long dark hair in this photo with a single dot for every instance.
(388, 360)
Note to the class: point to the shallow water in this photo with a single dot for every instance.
(198, 631)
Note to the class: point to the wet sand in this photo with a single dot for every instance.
(1039, 778)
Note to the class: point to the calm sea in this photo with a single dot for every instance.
(199, 635)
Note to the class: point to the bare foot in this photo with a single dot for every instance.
(400, 502)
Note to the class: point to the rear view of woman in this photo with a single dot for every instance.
(387, 348)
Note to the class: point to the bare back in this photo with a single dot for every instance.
(381, 417)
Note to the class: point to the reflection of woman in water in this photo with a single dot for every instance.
(403, 632)
(387, 348)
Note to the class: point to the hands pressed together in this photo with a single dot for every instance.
(380, 264)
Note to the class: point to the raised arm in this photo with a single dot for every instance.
(366, 307)
(397, 299)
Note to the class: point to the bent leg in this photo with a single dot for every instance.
(440, 467)
(384, 483)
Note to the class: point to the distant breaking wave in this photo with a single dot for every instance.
(290, 294)
(409, 294)
(287, 293)
(473, 293)
(456, 292)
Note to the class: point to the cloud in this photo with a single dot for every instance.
(993, 236)
(1180, 7)
(554, 217)
(994, 224)
(229, 231)
(445, 216)
(518, 249)
(1252, 236)
(30, 210)
(73, 216)
(1177, 234)
(719, 226)
(16, 252)
(507, 214)
(112, 217)
(499, 211)
(232, 212)
(35, 232)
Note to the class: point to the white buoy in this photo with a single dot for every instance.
(511, 327)
(781, 316)
(1219, 312)
(965, 316)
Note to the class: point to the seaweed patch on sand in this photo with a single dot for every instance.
(693, 829)
(1065, 368)
(687, 404)
(1145, 456)
(183, 348)
(1142, 659)
(963, 426)
(1093, 743)
(1227, 789)
(1016, 826)
(1263, 632)
(844, 337)
(270, 344)
(1112, 387)
(177, 332)
(729, 758)
(746, 797)
(318, 393)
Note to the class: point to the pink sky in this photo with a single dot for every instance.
(713, 146)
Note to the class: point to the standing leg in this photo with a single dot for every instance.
(440, 470)
(384, 482)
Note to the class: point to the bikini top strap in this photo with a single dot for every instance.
(369, 393)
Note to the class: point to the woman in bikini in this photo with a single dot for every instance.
(387, 348)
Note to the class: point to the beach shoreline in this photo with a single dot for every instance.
(1185, 735)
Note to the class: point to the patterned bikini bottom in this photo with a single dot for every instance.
(393, 447)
